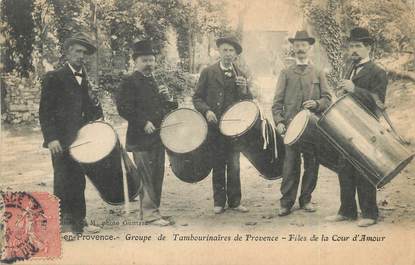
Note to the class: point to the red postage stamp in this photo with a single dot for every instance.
(30, 226)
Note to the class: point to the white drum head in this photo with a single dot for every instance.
(94, 142)
(239, 118)
(297, 127)
(183, 131)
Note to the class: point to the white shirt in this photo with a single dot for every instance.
(78, 78)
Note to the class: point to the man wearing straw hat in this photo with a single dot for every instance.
(300, 86)
(367, 83)
(144, 103)
(221, 85)
(66, 104)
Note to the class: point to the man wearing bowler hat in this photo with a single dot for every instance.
(144, 103)
(367, 83)
(220, 86)
(300, 86)
(66, 104)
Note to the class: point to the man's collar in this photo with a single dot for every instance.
(73, 69)
(225, 68)
(303, 62)
(363, 61)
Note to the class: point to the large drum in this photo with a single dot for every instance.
(255, 137)
(369, 146)
(305, 135)
(98, 150)
(184, 134)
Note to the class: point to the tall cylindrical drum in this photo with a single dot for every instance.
(255, 137)
(365, 142)
(184, 134)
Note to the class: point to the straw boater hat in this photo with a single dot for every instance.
(360, 34)
(232, 41)
(82, 39)
(302, 35)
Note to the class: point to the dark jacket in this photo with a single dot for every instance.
(65, 106)
(370, 82)
(295, 86)
(139, 101)
(209, 94)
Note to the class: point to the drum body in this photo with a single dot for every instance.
(304, 134)
(98, 150)
(358, 135)
(184, 134)
(242, 124)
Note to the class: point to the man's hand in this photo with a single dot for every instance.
(55, 147)
(310, 104)
(149, 128)
(347, 85)
(242, 84)
(281, 129)
(211, 117)
(164, 91)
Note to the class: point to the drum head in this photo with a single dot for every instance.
(297, 127)
(239, 118)
(183, 130)
(94, 142)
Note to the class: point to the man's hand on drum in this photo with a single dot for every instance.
(149, 128)
(310, 104)
(281, 129)
(347, 85)
(211, 117)
(55, 147)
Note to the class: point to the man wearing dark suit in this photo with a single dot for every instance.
(367, 84)
(300, 86)
(220, 86)
(66, 105)
(144, 103)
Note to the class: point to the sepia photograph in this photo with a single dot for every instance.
(207, 132)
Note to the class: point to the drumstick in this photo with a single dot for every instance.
(169, 125)
(73, 146)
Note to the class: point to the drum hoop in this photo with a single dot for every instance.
(250, 126)
(302, 129)
(195, 111)
(116, 141)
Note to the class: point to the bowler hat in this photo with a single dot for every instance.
(302, 35)
(142, 47)
(230, 40)
(83, 39)
(360, 34)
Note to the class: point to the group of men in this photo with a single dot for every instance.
(67, 104)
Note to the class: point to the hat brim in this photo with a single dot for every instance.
(236, 45)
(309, 40)
(368, 40)
(91, 49)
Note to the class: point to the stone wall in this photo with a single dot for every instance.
(21, 99)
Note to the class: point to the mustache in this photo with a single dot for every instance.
(355, 54)
(300, 52)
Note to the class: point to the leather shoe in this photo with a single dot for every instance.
(365, 222)
(336, 218)
(284, 211)
(308, 208)
(92, 229)
(218, 209)
(160, 222)
(240, 208)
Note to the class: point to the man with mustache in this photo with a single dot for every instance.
(66, 104)
(144, 103)
(220, 86)
(367, 83)
(300, 86)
